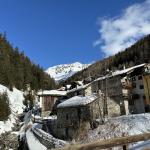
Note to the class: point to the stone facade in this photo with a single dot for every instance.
(126, 92)
(88, 90)
(138, 94)
(112, 89)
(75, 121)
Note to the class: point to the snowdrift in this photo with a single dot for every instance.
(16, 105)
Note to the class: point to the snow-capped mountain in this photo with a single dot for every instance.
(62, 72)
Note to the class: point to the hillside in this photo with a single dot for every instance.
(64, 71)
(16, 69)
(134, 55)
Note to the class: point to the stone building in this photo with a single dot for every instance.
(84, 90)
(146, 80)
(76, 115)
(141, 89)
(139, 102)
(110, 89)
(123, 91)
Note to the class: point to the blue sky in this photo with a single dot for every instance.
(55, 32)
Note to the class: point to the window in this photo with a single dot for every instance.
(134, 85)
(144, 97)
(131, 102)
(141, 87)
(67, 116)
(135, 96)
(140, 77)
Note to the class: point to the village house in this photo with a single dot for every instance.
(75, 89)
(118, 93)
(76, 115)
(146, 80)
(123, 92)
(48, 98)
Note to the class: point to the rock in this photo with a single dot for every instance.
(8, 141)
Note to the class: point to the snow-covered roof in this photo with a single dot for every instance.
(120, 72)
(79, 88)
(100, 78)
(77, 101)
(52, 93)
(127, 70)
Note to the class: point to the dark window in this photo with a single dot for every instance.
(140, 77)
(67, 132)
(135, 96)
(144, 97)
(67, 116)
(141, 87)
(131, 102)
(134, 85)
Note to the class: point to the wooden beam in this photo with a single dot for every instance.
(110, 143)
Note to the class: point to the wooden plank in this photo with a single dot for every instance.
(111, 142)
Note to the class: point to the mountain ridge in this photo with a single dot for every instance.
(64, 71)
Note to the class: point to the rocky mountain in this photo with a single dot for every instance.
(64, 71)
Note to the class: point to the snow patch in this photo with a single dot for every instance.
(33, 142)
(121, 126)
(16, 105)
(52, 92)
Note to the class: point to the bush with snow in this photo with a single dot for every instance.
(4, 107)
(15, 102)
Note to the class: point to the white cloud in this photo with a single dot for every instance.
(120, 32)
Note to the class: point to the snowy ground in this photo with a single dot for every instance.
(16, 104)
(114, 127)
(42, 138)
(122, 126)
(33, 142)
(140, 145)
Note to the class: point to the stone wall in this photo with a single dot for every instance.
(139, 104)
(112, 88)
(88, 91)
(70, 120)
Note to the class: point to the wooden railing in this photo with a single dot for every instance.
(122, 141)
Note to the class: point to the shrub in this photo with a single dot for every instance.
(4, 107)
(29, 100)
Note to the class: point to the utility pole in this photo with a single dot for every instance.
(106, 94)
